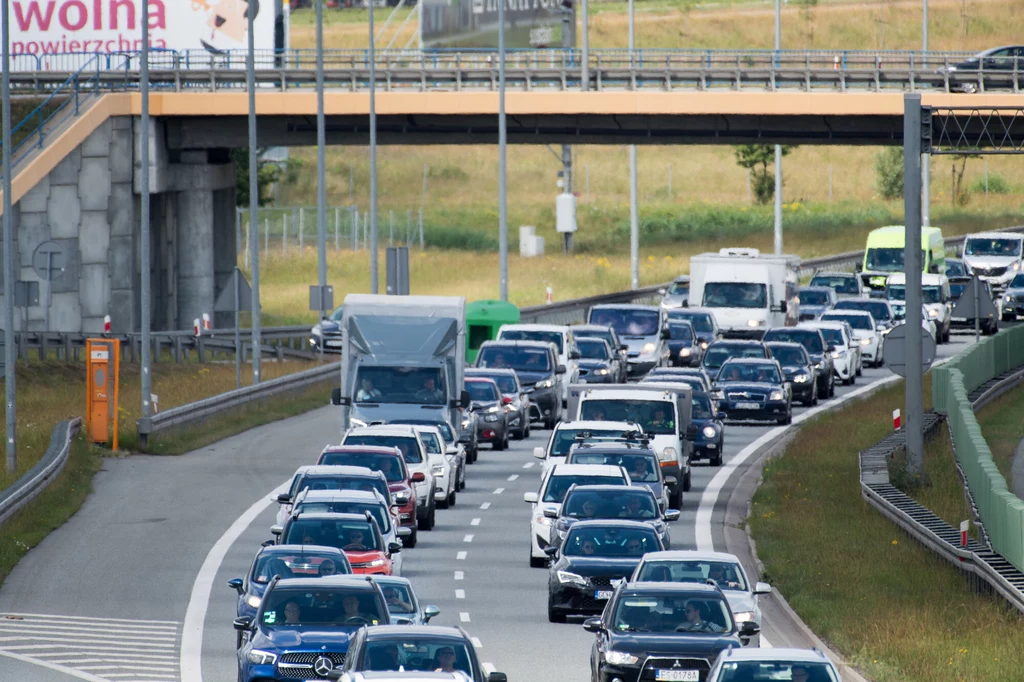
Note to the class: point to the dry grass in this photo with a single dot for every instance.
(1003, 427)
(944, 493)
(889, 605)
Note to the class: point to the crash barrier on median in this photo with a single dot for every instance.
(187, 415)
(1001, 512)
(35, 480)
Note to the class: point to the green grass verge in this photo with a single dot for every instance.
(890, 606)
(943, 491)
(1003, 427)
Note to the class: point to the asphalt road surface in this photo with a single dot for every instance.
(133, 587)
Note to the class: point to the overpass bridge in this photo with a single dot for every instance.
(77, 174)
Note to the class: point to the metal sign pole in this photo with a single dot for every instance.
(977, 309)
(49, 290)
(502, 143)
(254, 190)
(144, 240)
(236, 275)
(9, 354)
(912, 212)
(321, 190)
(634, 208)
(374, 270)
(778, 148)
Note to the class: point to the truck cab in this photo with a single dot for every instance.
(884, 254)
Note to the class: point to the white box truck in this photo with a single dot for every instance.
(748, 292)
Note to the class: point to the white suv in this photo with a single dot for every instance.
(865, 330)
(440, 465)
(935, 296)
(846, 355)
(566, 433)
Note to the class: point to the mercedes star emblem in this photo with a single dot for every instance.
(322, 666)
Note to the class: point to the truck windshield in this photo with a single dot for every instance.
(408, 385)
(898, 292)
(992, 247)
(890, 259)
(813, 298)
(626, 321)
(519, 359)
(654, 416)
(532, 335)
(735, 295)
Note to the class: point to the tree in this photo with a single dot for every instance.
(267, 174)
(889, 169)
(756, 158)
(959, 194)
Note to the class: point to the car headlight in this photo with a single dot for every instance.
(648, 349)
(547, 383)
(253, 601)
(491, 418)
(865, 342)
(703, 345)
(437, 470)
(709, 431)
(839, 354)
(376, 562)
(684, 352)
(743, 616)
(801, 378)
(603, 372)
(259, 657)
(933, 313)
(755, 323)
(1016, 265)
(494, 410)
(775, 395)
(718, 395)
(668, 455)
(567, 577)
(356, 423)
(620, 658)
(542, 520)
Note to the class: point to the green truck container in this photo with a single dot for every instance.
(483, 320)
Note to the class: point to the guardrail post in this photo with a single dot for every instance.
(42, 345)
(201, 348)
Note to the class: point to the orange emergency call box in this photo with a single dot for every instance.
(103, 363)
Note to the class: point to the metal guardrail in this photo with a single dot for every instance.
(35, 480)
(191, 413)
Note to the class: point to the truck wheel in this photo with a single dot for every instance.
(554, 616)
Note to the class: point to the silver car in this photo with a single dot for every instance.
(677, 294)
(746, 664)
(403, 606)
(515, 398)
(690, 566)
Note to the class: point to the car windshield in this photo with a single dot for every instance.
(593, 349)
(701, 406)
(366, 483)
(718, 354)
(813, 298)
(558, 485)
(337, 314)
(878, 309)
(533, 335)
(345, 535)
(856, 321)
(735, 295)
(955, 268)
(308, 564)
(810, 340)
(506, 382)
(398, 598)
(407, 445)
(833, 337)
(627, 321)
(446, 429)
(420, 653)
(679, 289)
(389, 465)
(594, 334)
(776, 671)
(519, 359)
(742, 371)
(564, 438)
(625, 503)
(672, 613)
(432, 443)
(641, 468)
(380, 513)
(701, 321)
(680, 331)
(726, 573)
(790, 355)
(841, 285)
(610, 541)
(406, 385)
(992, 247)
(482, 391)
(321, 607)
(898, 292)
(653, 416)
(956, 289)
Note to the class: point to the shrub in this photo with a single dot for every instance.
(889, 172)
(997, 184)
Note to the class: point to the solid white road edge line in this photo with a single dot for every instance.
(195, 614)
(89, 677)
(709, 498)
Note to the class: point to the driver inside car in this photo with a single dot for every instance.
(351, 604)
(355, 539)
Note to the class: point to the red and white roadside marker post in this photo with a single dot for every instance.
(964, 527)
(548, 300)
(106, 324)
(196, 328)
(206, 322)
(896, 421)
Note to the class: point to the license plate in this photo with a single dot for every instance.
(678, 675)
(603, 594)
(748, 406)
(334, 344)
(958, 319)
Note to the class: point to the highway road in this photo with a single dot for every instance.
(133, 587)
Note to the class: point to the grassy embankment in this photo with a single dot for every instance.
(890, 606)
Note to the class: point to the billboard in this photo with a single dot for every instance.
(51, 27)
(474, 23)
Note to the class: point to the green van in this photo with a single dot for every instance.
(884, 254)
(483, 320)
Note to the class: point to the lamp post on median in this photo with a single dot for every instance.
(502, 143)
(254, 192)
(778, 148)
(144, 232)
(321, 189)
(634, 209)
(9, 355)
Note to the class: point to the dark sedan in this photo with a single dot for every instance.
(703, 321)
(513, 395)
(710, 429)
(684, 347)
(1011, 304)
(327, 333)
(594, 558)
(997, 67)
(799, 370)
(597, 331)
(751, 389)
(819, 351)
(536, 363)
(720, 351)
(493, 420)
(598, 363)
(814, 301)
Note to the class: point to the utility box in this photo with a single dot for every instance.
(530, 245)
(103, 364)
(397, 266)
(483, 320)
(565, 213)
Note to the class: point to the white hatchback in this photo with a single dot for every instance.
(865, 330)
(846, 354)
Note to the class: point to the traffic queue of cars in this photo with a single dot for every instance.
(325, 598)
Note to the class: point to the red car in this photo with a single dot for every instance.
(356, 535)
(388, 461)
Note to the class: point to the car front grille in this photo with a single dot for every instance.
(991, 272)
(300, 666)
(747, 397)
(584, 371)
(655, 663)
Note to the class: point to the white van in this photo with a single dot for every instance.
(996, 257)
(935, 296)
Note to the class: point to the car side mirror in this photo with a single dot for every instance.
(550, 514)
(429, 612)
(762, 588)
(560, 369)
(858, 267)
(830, 349)
(691, 432)
(243, 624)
(538, 452)
(236, 585)
(276, 530)
(783, 306)
(497, 677)
(749, 629)
(671, 480)
(394, 547)
(672, 515)
(624, 347)
(465, 399)
(665, 335)
(338, 399)
(551, 551)
(662, 291)
(267, 543)
(530, 497)
(593, 625)
(854, 344)
(284, 498)
(574, 355)
(419, 477)
(404, 531)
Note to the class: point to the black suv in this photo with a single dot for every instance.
(634, 503)
(536, 363)
(819, 350)
(415, 648)
(726, 349)
(656, 631)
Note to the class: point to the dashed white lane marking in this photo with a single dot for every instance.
(468, 538)
(89, 677)
(461, 556)
(513, 477)
(476, 642)
(528, 465)
(498, 491)
(488, 667)
(461, 594)
(765, 644)
(459, 575)
(464, 617)
(485, 505)
(475, 522)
